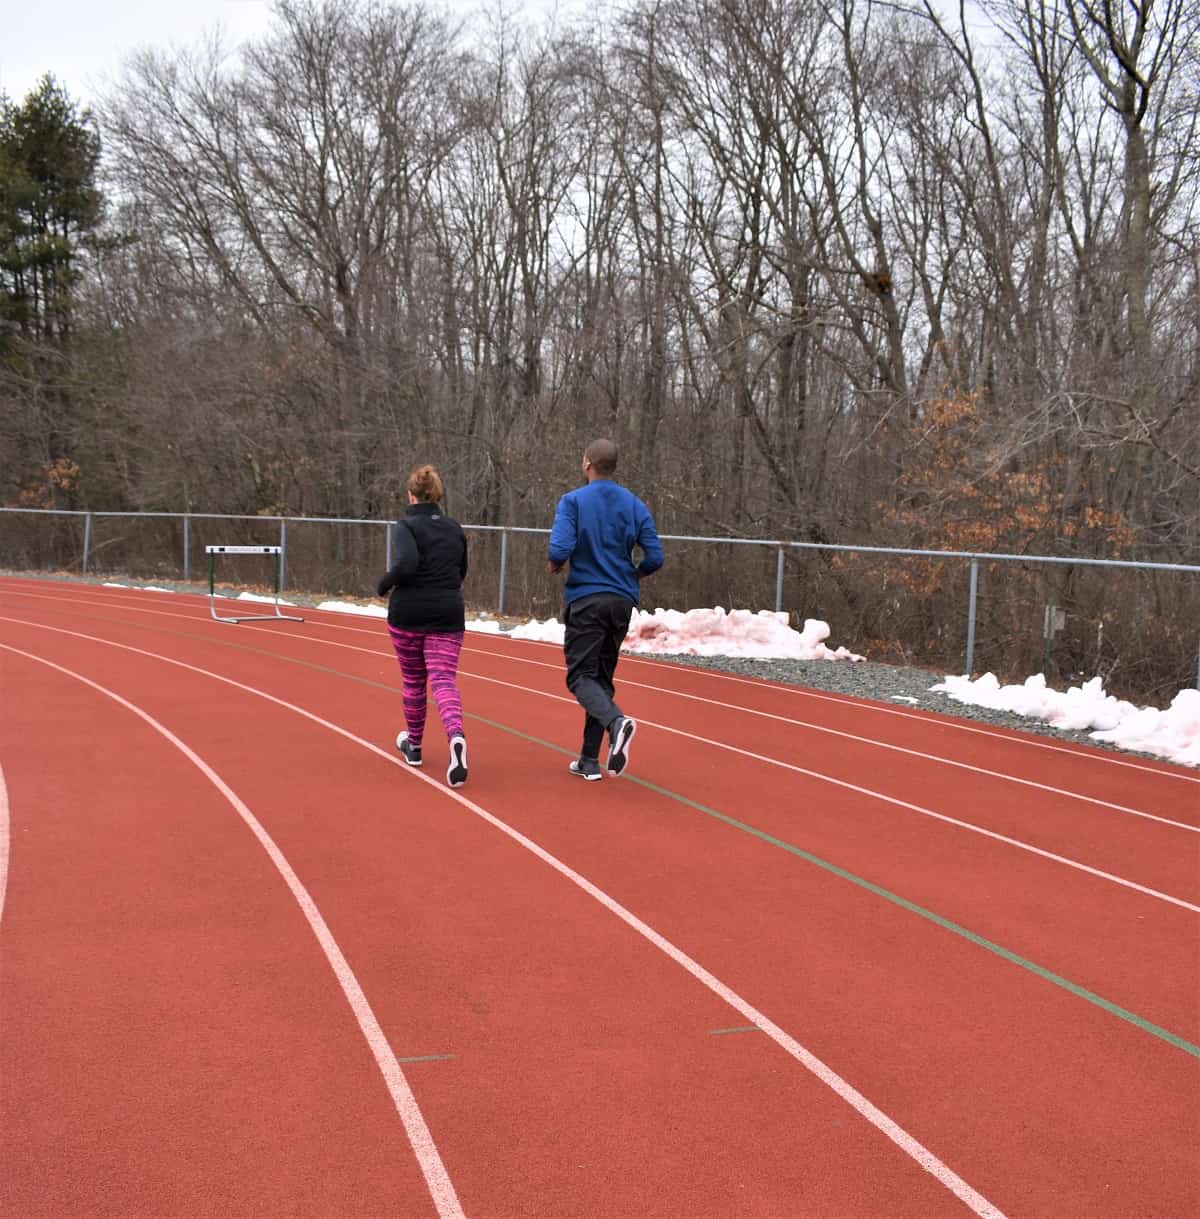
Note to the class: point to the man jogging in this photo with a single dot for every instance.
(596, 528)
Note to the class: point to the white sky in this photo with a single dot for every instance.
(83, 43)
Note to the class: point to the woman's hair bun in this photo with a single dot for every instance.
(425, 485)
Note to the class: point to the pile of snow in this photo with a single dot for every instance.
(765, 635)
(550, 631)
(268, 600)
(353, 607)
(1173, 734)
(483, 625)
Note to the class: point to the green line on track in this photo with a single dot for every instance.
(946, 924)
(741, 1028)
(426, 1058)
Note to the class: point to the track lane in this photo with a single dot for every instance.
(1100, 775)
(624, 862)
(986, 764)
(1029, 762)
(156, 977)
(1152, 853)
(1125, 945)
(551, 1077)
(978, 743)
(1110, 846)
(1059, 928)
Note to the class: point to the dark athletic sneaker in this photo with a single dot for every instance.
(619, 736)
(587, 769)
(456, 772)
(409, 752)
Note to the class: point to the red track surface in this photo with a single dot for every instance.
(994, 939)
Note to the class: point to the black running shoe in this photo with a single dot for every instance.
(409, 752)
(456, 772)
(619, 737)
(587, 769)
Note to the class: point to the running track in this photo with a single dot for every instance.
(814, 957)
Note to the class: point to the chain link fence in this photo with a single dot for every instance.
(1135, 624)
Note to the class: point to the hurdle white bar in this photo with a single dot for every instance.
(212, 552)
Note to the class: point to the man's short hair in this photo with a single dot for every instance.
(603, 456)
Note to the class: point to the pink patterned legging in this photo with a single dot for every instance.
(429, 656)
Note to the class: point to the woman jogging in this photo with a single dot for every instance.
(426, 620)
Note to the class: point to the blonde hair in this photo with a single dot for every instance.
(425, 484)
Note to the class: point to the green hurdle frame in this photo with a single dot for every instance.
(212, 552)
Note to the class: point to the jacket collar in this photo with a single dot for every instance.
(423, 510)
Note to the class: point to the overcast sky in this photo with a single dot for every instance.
(84, 42)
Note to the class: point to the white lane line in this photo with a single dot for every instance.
(855, 1099)
(783, 719)
(866, 791)
(916, 753)
(1103, 757)
(441, 1189)
(1099, 756)
(4, 840)
(814, 774)
(1014, 736)
(789, 766)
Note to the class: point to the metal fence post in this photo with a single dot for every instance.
(503, 569)
(282, 554)
(387, 548)
(187, 539)
(971, 598)
(87, 539)
(779, 579)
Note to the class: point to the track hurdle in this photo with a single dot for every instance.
(212, 552)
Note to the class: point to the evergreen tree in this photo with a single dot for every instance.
(49, 205)
(50, 212)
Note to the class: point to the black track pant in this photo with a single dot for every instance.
(595, 627)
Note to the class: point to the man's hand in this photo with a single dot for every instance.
(554, 568)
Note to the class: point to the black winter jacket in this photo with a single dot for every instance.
(429, 563)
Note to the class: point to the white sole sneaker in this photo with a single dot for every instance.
(403, 746)
(618, 749)
(456, 772)
(588, 776)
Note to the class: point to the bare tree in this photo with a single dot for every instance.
(300, 180)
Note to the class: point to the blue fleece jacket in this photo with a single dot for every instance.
(595, 529)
